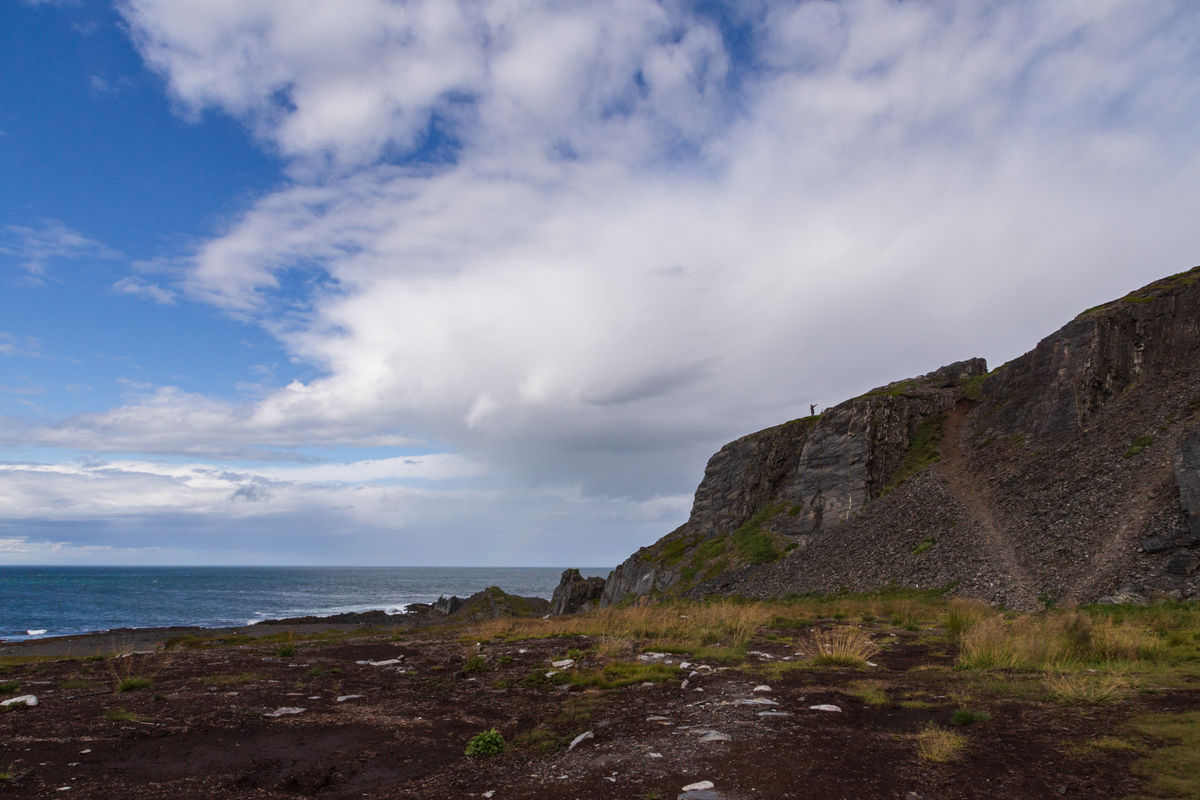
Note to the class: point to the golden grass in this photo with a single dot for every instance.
(682, 625)
(1096, 689)
(939, 745)
(1053, 641)
(840, 646)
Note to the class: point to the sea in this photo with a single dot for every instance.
(37, 602)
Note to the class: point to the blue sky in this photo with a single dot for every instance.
(286, 281)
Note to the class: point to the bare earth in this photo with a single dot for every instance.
(210, 725)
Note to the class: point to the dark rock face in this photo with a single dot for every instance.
(822, 469)
(448, 605)
(1187, 474)
(575, 593)
(1070, 473)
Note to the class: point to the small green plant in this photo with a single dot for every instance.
(132, 683)
(1139, 444)
(575, 653)
(485, 743)
(8, 773)
(9, 688)
(121, 715)
(964, 717)
(475, 665)
(924, 546)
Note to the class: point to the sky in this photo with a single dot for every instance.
(486, 282)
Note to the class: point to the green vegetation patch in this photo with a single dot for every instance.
(924, 547)
(753, 543)
(973, 386)
(133, 683)
(618, 674)
(486, 743)
(1171, 768)
(965, 716)
(1139, 444)
(922, 452)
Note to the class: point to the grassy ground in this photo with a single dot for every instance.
(931, 686)
(1090, 657)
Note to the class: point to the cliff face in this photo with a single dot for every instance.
(1069, 474)
(800, 478)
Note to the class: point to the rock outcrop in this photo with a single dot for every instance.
(576, 593)
(1069, 474)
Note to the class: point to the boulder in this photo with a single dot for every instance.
(576, 593)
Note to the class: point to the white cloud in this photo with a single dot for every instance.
(35, 248)
(648, 241)
(141, 288)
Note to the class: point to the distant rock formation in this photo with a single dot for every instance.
(1070, 474)
(576, 593)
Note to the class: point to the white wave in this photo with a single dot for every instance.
(38, 632)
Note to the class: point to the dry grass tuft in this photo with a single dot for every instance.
(1053, 641)
(1090, 689)
(964, 614)
(678, 625)
(843, 646)
(939, 745)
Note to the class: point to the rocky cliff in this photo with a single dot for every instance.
(1067, 475)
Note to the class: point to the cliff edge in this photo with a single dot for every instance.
(1070, 474)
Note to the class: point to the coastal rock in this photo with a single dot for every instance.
(23, 700)
(1071, 472)
(825, 707)
(576, 593)
(1187, 476)
(448, 605)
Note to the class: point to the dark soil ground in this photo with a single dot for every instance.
(204, 727)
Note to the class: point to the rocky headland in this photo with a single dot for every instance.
(1068, 475)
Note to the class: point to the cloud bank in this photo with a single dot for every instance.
(580, 245)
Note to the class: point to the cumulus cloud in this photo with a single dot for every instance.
(585, 244)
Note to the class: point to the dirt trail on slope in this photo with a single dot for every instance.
(1020, 591)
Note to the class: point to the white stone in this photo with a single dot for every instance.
(755, 701)
(657, 718)
(774, 713)
(564, 664)
(489, 793)
(283, 711)
(656, 755)
(24, 700)
(685, 665)
(583, 737)
(824, 707)
(652, 656)
(551, 673)
(762, 687)
(684, 685)
(343, 698)
(698, 786)
(388, 663)
(715, 736)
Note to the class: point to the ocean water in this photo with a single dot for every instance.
(58, 601)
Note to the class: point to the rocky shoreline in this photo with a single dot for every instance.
(489, 603)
